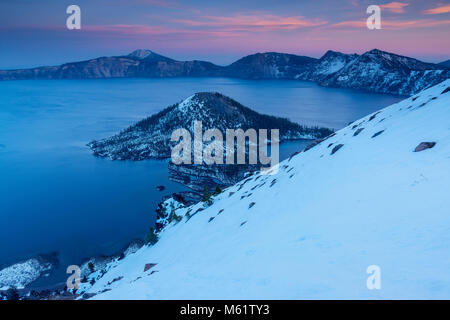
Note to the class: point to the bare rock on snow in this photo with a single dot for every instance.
(148, 266)
(336, 148)
(424, 145)
(358, 132)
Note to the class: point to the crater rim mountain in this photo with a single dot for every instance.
(373, 71)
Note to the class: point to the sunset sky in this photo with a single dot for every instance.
(34, 32)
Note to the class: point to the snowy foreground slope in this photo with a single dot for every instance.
(311, 230)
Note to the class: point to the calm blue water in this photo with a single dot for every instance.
(54, 195)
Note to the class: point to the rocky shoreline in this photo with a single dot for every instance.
(91, 268)
(26, 271)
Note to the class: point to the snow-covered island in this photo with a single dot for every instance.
(151, 137)
(373, 193)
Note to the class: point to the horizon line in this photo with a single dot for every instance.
(210, 61)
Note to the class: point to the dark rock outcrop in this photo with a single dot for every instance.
(424, 146)
(336, 148)
(377, 133)
(358, 132)
(148, 266)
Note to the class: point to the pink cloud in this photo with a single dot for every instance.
(263, 22)
(421, 23)
(438, 10)
(156, 3)
(145, 30)
(396, 7)
(128, 29)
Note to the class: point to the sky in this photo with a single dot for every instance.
(34, 33)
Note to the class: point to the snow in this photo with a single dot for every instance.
(187, 105)
(21, 274)
(342, 78)
(141, 53)
(312, 230)
(385, 72)
(334, 67)
(168, 205)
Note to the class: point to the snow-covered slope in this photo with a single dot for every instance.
(330, 63)
(362, 197)
(384, 72)
(333, 61)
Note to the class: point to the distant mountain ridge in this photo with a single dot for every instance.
(269, 65)
(445, 63)
(374, 71)
(329, 63)
(384, 72)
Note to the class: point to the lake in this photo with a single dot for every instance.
(56, 196)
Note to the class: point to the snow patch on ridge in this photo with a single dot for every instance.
(140, 53)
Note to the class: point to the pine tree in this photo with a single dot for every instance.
(12, 294)
(151, 237)
(206, 196)
(218, 190)
(173, 215)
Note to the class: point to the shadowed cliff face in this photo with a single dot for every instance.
(270, 65)
(154, 66)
